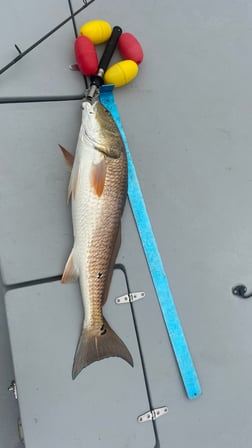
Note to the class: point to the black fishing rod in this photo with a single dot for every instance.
(21, 53)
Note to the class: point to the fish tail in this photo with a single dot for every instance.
(93, 346)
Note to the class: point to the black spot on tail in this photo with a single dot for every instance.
(103, 330)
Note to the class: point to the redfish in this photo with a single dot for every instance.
(98, 190)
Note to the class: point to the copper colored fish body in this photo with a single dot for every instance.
(98, 186)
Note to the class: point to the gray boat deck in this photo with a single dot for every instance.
(187, 118)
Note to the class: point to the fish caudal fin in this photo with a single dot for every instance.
(94, 347)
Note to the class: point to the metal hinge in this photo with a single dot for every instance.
(152, 415)
(132, 297)
(13, 388)
(20, 430)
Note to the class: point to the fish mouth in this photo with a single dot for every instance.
(91, 100)
(87, 102)
(89, 111)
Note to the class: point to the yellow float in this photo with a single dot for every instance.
(98, 31)
(121, 73)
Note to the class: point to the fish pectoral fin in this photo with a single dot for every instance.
(98, 176)
(94, 346)
(70, 273)
(69, 158)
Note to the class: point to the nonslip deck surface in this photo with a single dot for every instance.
(187, 121)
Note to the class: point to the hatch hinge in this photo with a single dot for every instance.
(13, 388)
(20, 430)
(152, 415)
(132, 297)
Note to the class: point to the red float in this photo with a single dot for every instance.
(130, 48)
(86, 56)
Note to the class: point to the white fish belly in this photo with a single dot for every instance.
(86, 212)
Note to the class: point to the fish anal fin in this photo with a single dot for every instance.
(112, 265)
(94, 346)
(69, 158)
(70, 273)
(98, 175)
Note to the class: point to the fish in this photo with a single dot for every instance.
(98, 190)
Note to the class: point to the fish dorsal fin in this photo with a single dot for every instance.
(112, 265)
(98, 176)
(70, 273)
(73, 183)
(69, 158)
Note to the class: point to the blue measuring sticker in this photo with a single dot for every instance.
(159, 278)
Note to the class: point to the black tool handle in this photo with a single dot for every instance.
(110, 48)
(97, 80)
